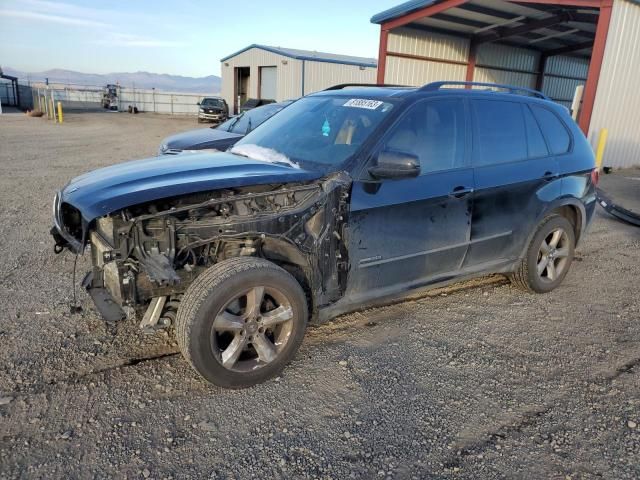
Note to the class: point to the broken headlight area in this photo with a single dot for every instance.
(68, 227)
(157, 249)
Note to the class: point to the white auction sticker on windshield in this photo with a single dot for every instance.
(363, 103)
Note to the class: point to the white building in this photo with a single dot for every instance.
(275, 73)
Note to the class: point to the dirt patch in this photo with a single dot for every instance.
(475, 381)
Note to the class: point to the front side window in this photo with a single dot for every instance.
(500, 132)
(434, 132)
(553, 129)
(321, 130)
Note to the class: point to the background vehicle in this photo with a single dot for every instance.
(222, 136)
(110, 97)
(213, 109)
(254, 103)
(347, 198)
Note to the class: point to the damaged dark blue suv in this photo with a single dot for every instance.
(350, 197)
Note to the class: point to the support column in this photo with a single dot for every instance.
(542, 66)
(382, 54)
(471, 63)
(595, 65)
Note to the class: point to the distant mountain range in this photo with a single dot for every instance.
(142, 80)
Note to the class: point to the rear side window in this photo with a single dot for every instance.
(500, 132)
(535, 140)
(555, 132)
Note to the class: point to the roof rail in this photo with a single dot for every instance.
(345, 85)
(430, 87)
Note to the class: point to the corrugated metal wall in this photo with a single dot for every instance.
(320, 75)
(502, 56)
(289, 77)
(562, 89)
(409, 71)
(515, 66)
(617, 104)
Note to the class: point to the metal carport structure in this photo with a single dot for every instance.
(15, 89)
(551, 45)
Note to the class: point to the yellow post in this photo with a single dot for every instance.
(59, 112)
(602, 142)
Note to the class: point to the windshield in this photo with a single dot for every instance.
(245, 122)
(211, 102)
(321, 130)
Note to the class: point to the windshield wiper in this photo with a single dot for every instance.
(238, 153)
(233, 124)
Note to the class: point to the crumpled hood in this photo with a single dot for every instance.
(119, 186)
(200, 138)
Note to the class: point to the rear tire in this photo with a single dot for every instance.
(548, 256)
(241, 321)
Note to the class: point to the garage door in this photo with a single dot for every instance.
(268, 83)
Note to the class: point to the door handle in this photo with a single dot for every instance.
(548, 176)
(460, 192)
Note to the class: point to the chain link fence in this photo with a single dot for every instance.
(90, 98)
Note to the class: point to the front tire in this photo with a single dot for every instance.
(548, 257)
(241, 321)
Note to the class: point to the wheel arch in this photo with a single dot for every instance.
(294, 261)
(571, 209)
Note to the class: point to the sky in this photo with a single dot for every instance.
(187, 37)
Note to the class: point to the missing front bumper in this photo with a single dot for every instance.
(103, 300)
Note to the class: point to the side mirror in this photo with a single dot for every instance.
(394, 164)
(198, 103)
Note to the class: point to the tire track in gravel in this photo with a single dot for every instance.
(477, 442)
(46, 387)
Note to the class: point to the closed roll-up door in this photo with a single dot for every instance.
(268, 83)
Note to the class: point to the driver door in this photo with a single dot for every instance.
(407, 232)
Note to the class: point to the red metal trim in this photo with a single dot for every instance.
(471, 64)
(382, 54)
(426, 59)
(568, 3)
(423, 12)
(595, 66)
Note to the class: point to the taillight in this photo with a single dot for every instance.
(595, 177)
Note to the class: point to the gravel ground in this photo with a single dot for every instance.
(475, 381)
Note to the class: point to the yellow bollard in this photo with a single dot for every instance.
(59, 112)
(602, 142)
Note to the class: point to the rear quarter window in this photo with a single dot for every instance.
(558, 138)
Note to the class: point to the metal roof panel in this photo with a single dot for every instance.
(310, 55)
(401, 10)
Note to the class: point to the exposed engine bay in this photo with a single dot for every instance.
(157, 249)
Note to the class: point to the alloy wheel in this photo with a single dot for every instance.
(252, 329)
(553, 255)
